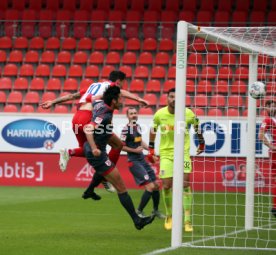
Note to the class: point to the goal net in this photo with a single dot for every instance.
(232, 181)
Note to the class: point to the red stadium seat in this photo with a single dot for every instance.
(69, 5)
(21, 43)
(244, 59)
(217, 101)
(63, 18)
(80, 24)
(172, 72)
(168, 19)
(35, 5)
(173, 59)
(235, 101)
(52, 5)
(145, 111)
(10, 108)
(233, 112)
(85, 44)
(145, 58)
(239, 87)
(59, 71)
(257, 18)
(3, 57)
(263, 60)
(194, 59)
(207, 5)
(190, 86)
(104, 5)
(129, 58)
(112, 58)
(228, 59)
(60, 109)
(75, 71)
(133, 20)
(54, 84)
(117, 44)
(242, 5)
(239, 18)
(271, 88)
(69, 43)
(46, 18)
(98, 18)
(212, 59)
(15, 97)
(26, 70)
(192, 72)
(106, 71)
(4, 4)
(173, 5)
(96, 58)
(42, 71)
(225, 73)
(41, 110)
(272, 74)
(137, 5)
(16, 56)
(32, 57)
(129, 102)
(137, 86)
(36, 43)
(163, 100)
(10, 70)
(153, 86)
(271, 18)
(37, 84)
(162, 58)
(80, 57)
(28, 24)
(150, 24)
(92, 71)
(208, 72)
(133, 44)
(166, 44)
(242, 73)
(101, 44)
(198, 45)
(204, 18)
(190, 5)
(199, 111)
(225, 6)
(121, 5)
(48, 96)
(204, 86)
(149, 44)
(186, 15)
(5, 83)
(158, 72)
(3, 97)
(215, 112)
(155, 5)
(151, 98)
(261, 73)
(11, 15)
(27, 108)
(214, 47)
(260, 5)
(52, 43)
(87, 4)
(47, 57)
(115, 19)
(85, 83)
(20, 84)
(201, 100)
(168, 84)
(70, 84)
(221, 87)
(127, 70)
(141, 72)
(32, 97)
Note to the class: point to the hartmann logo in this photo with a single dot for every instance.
(31, 133)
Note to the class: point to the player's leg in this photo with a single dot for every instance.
(115, 178)
(187, 196)
(116, 147)
(155, 192)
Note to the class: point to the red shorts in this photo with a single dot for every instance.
(80, 119)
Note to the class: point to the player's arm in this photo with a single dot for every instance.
(144, 145)
(89, 132)
(151, 156)
(263, 138)
(201, 141)
(48, 104)
(137, 150)
(130, 95)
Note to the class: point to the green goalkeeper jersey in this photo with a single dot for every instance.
(165, 120)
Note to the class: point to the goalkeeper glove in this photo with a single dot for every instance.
(151, 156)
(201, 146)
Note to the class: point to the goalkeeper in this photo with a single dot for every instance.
(164, 119)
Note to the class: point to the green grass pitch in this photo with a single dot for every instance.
(38, 221)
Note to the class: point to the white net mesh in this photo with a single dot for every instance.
(217, 90)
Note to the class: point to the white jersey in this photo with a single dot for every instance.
(95, 89)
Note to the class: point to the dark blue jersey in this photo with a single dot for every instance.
(131, 136)
(102, 120)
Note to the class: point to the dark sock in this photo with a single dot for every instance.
(144, 200)
(96, 180)
(127, 203)
(155, 199)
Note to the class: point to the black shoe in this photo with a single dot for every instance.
(273, 211)
(92, 195)
(141, 222)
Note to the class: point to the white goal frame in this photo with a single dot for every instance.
(183, 28)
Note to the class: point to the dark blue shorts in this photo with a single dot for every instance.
(142, 172)
(101, 164)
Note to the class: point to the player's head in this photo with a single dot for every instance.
(132, 115)
(171, 98)
(112, 97)
(118, 77)
(270, 106)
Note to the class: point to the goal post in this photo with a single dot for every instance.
(252, 41)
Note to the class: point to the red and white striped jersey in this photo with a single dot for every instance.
(269, 126)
